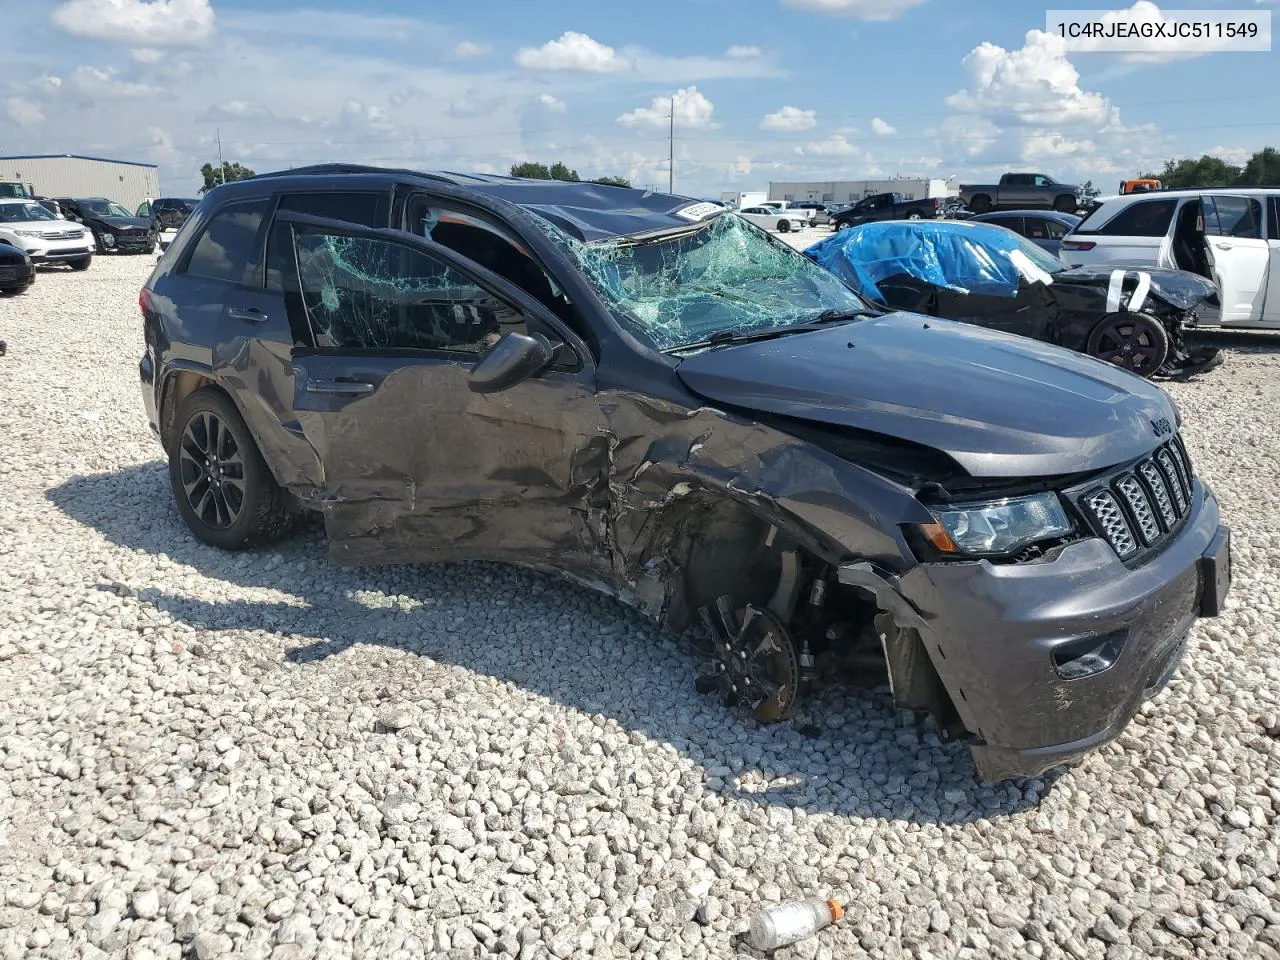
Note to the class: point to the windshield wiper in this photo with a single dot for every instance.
(829, 316)
(725, 337)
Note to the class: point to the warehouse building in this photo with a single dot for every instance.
(126, 182)
(851, 191)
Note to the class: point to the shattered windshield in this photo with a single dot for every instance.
(726, 276)
(105, 208)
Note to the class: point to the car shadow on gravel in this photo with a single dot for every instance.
(851, 753)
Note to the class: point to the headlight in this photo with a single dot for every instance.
(995, 527)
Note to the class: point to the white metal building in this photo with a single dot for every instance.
(850, 191)
(67, 175)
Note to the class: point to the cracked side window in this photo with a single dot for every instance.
(369, 294)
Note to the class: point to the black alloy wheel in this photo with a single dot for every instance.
(784, 226)
(212, 470)
(1135, 341)
(224, 489)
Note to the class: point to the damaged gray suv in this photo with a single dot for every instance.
(656, 398)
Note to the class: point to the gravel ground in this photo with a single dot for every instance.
(261, 755)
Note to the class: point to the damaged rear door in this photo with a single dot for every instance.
(417, 464)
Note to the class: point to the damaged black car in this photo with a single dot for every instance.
(988, 275)
(656, 398)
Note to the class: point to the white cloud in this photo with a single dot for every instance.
(237, 110)
(1237, 155)
(862, 9)
(473, 105)
(573, 51)
(881, 128)
(23, 112)
(1033, 85)
(148, 23)
(104, 84)
(738, 52)
(466, 50)
(146, 55)
(833, 146)
(789, 119)
(692, 109)
(1157, 49)
(551, 104)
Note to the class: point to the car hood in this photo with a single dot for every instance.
(121, 223)
(1178, 288)
(998, 404)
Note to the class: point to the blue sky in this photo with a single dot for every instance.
(764, 90)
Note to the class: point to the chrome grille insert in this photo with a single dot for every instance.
(1159, 492)
(1140, 506)
(1133, 495)
(1114, 525)
(1177, 481)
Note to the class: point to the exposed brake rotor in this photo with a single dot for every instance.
(754, 661)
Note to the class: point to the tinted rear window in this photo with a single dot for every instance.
(1148, 218)
(223, 250)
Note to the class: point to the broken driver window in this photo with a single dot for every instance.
(724, 275)
(494, 248)
(369, 294)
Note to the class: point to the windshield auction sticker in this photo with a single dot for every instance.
(1145, 28)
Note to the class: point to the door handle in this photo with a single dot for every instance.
(349, 387)
(248, 314)
(1223, 246)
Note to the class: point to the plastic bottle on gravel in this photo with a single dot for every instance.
(786, 923)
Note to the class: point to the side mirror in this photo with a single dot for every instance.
(514, 358)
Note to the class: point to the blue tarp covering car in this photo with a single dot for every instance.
(992, 277)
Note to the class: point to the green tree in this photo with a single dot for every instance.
(1206, 172)
(229, 172)
(1263, 168)
(613, 181)
(534, 171)
(540, 171)
(1089, 191)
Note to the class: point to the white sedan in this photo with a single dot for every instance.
(782, 222)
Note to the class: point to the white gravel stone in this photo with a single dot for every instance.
(263, 755)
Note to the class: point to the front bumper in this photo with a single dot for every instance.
(60, 255)
(16, 275)
(131, 244)
(992, 631)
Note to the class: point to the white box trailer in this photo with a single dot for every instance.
(746, 198)
(127, 182)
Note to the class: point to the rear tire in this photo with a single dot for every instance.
(1137, 342)
(82, 263)
(223, 488)
(784, 226)
(1065, 204)
(980, 204)
(915, 215)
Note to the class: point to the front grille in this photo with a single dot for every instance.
(60, 234)
(12, 273)
(1140, 507)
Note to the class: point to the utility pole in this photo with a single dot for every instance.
(671, 149)
(221, 169)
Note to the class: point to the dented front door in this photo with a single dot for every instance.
(417, 466)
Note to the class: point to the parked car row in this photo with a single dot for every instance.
(668, 402)
(1230, 235)
(29, 229)
(70, 230)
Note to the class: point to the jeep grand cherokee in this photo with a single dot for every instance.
(655, 397)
